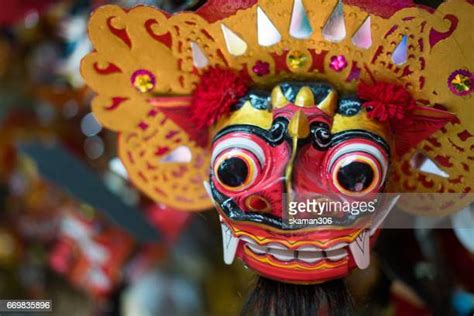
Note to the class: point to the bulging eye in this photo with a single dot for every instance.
(358, 169)
(356, 175)
(237, 162)
(236, 169)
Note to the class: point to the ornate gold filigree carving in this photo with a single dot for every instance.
(438, 43)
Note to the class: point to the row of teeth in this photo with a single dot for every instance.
(359, 248)
(308, 254)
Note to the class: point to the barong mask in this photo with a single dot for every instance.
(266, 102)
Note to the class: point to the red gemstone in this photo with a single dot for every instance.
(261, 68)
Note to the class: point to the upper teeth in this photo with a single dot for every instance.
(282, 254)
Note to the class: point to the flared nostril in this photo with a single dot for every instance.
(257, 203)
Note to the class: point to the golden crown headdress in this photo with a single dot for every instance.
(144, 53)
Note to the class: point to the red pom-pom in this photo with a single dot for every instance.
(217, 91)
(409, 122)
(386, 101)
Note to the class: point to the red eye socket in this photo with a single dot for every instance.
(357, 169)
(236, 169)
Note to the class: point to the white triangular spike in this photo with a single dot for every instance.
(181, 154)
(116, 165)
(199, 57)
(235, 45)
(335, 29)
(363, 37)
(429, 166)
(268, 34)
(300, 27)
(400, 53)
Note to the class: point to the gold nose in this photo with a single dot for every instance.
(304, 98)
(299, 126)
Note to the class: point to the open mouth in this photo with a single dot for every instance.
(305, 256)
(302, 255)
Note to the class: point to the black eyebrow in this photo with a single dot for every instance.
(358, 133)
(274, 136)
(320, 89)
(259, 99)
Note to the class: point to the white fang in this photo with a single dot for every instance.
(235, 45)
(268, 34)
(360, 249)
(230, 244)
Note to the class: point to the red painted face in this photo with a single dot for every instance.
(254, 169)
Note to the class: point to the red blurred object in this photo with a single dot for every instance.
(60, 255)
(217, 91)
(13, 11)
(404, 307)
(460, 259)
(90, 255)
(169, 222)
(384, 8)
